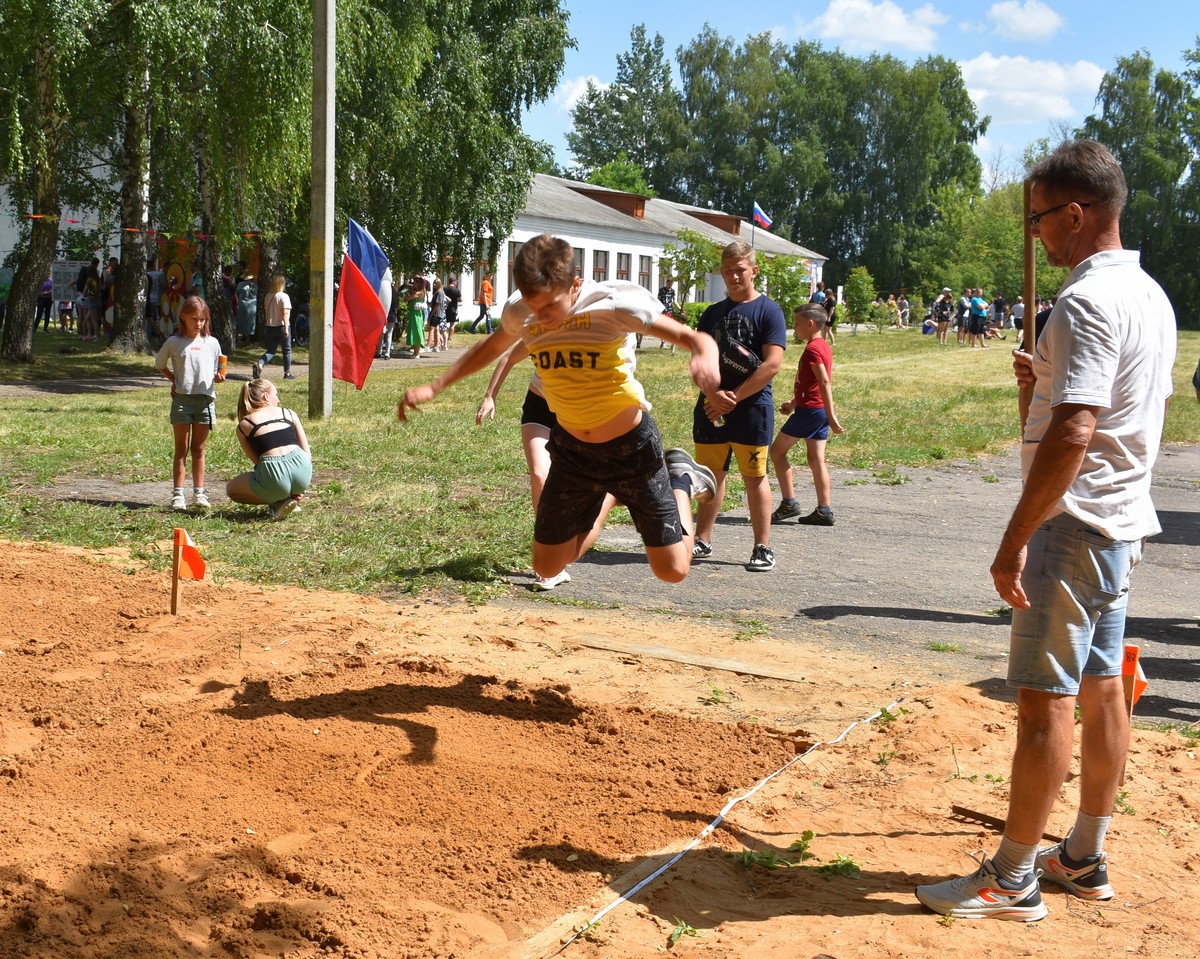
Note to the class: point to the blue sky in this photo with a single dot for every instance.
(1031, 64)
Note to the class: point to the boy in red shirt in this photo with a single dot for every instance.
(811, 419)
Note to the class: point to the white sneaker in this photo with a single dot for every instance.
(283, 508)
(545, 585)
(983, 895)
(200, 500)
(178, 502)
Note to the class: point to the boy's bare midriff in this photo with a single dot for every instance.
(619, 425)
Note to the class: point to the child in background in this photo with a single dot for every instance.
(191, 361)
(274, 440)
(812, 417)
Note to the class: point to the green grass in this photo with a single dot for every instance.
(440, 501)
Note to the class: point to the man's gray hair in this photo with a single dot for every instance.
(1083, 170)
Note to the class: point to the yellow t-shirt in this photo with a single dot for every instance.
(587, 364)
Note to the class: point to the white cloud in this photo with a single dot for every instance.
(1019, 90)
(860, 26)
(568, 92)
(1031, 20)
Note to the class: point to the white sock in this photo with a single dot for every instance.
(1014, 860)
(1087, 836)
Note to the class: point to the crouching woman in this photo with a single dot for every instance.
(274, 440)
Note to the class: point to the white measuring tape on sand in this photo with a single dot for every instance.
(708, 830)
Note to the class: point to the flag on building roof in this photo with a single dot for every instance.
(191, 563)
(364, 296)
(760, 218)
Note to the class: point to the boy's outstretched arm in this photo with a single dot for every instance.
(483, 353)
(703, 366)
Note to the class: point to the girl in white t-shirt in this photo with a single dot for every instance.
(191, 360)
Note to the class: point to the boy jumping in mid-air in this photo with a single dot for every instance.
(579, 337)
(812, 417)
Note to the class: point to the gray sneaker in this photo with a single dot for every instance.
(256, 371)
(1087, 879)
(762, 560)
(704, 484)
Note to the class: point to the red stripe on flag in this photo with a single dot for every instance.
(358, 320)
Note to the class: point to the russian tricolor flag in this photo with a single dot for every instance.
(760, 218)
(364, 296)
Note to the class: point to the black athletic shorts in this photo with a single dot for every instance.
(535, 411)
(631, 467)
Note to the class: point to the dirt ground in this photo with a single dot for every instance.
(278, 772)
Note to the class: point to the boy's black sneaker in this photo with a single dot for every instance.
(816, 518)
(786, 511)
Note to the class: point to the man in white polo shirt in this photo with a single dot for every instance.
(1101, 377)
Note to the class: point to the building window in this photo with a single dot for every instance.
(579, 262)
(644, 271)
(624, 265)
(513, 249)
(600, 265)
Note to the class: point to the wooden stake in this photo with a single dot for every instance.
(176, 559)
(1029, 334)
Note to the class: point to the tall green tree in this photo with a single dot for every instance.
(638, 115)
(34, 135)
(1142, 117)
(430, 153)
(622, 174)
(690, 260)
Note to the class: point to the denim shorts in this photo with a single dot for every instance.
(1077, 581)
(631, 467)
(807, 423)
(194, 409)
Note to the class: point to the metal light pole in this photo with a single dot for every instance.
(320, 255)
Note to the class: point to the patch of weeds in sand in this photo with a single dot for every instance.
(801, 845)
(749, 629)
(716, 696)
(943, 647)
(884, 758)
(1123, 805)
(682, 929)
(839, 865)
(887, 716)
(958, 773)
(1188, 731)
(589, 931)
(560, 600)
(765, 859)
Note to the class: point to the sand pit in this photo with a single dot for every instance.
(278, 772)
